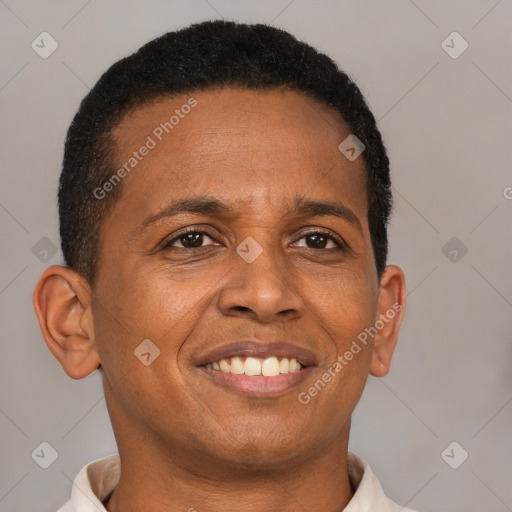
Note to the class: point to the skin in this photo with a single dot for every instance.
(185, 441)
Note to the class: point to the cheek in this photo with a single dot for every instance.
(345, 308)
(344, 303)
(147, 300)
(154, 307)
(330, 399)
(154, 304)
(167, 304)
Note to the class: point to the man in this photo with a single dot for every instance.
(223, 207)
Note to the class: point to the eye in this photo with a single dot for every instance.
(320, 240)
(190, 239)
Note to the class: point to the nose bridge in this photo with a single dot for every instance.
(261, 284)
(264, 263)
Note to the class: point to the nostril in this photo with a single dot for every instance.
(241, 308)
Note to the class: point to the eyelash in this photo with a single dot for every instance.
(168, 245)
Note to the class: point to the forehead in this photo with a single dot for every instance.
(238, 145)
(226, 110)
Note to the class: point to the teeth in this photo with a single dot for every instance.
(252, 366)
(294, 366)
(269, 367)
(224, 366)
(237, 367)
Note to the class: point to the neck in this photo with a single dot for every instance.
(158, 480)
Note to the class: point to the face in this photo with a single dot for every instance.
(242, 233)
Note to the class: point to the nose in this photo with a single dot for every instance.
(261, 290)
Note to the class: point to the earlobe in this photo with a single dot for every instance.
(390, 312)
(62, 304)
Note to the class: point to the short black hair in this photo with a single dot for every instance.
(203, 56)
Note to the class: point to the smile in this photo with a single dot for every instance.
(257, 377)
(256, 366)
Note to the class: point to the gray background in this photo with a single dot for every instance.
(447, 125)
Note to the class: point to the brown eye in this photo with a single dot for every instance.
(191, 240)
(319, 240)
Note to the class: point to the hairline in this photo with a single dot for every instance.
(108, 138)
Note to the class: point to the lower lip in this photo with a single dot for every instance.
(258, 385)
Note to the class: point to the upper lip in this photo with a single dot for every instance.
(261, 349)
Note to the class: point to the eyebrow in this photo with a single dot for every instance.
(198, 204)
(210, 206)
(313, 208)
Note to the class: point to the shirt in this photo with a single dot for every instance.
(96, 481)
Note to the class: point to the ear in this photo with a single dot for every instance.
(62, 302)
(390, 312)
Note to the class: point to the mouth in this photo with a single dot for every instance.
(255, 366)
(258, 369)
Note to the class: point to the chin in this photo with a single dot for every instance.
(264, 451)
